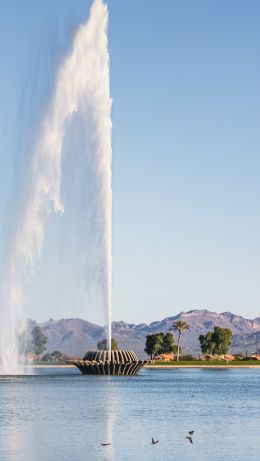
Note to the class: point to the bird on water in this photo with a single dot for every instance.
(154, 442)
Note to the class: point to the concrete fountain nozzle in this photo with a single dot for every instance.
(122, 362)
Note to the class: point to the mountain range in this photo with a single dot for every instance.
(75, 336)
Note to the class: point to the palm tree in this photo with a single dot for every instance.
(180, 326)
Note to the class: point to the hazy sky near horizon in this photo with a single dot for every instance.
(186, 112)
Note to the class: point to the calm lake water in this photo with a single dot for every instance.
(62, 415)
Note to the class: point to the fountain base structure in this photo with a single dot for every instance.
(120, 362)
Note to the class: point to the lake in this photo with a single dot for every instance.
(58, 414)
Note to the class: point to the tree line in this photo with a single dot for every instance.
(215, 342)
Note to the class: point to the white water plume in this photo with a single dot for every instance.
(82, 92)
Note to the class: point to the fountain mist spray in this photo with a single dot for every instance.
(81, 91)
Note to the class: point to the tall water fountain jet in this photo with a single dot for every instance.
(81, 90)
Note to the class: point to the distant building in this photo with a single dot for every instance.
(254, 357)
(226, 357)
(164, 357)
(32, 358)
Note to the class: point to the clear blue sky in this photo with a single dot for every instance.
(186, 111)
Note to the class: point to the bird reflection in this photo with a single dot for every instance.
(189, 438)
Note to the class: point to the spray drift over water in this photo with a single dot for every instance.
(81, 96)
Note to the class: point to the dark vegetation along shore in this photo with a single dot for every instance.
(214, 347)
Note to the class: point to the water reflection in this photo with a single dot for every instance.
(111, 402)
(15, 422)
(62, 415)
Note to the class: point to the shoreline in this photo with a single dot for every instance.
(202, 366)
(155, 366)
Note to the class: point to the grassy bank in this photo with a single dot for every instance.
(209, 363)
(59, 363)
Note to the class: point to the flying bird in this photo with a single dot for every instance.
(189, 438)
(105, 444)
(154, 442)
(191, 433)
